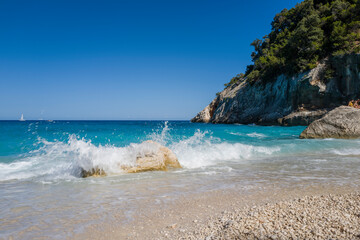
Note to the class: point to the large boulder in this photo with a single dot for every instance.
(154, 157)
(342, 122)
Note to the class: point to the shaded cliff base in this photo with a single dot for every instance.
(223, 214)
(288, 100)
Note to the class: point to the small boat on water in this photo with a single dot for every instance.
(22, 118)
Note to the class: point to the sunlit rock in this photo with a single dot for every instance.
(153, 157)
(159, 160)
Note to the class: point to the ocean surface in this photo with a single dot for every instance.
(43, 195)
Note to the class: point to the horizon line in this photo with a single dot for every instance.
(47, 120)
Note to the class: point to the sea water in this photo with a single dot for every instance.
(42, 193)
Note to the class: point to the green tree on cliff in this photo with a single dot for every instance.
(304, 35)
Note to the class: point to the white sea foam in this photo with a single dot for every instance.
(236, 133)
(163, 137)
(256, 135)
(54, 160)
(196, 151)
(252, 135)
(65, 159)
(346, 151)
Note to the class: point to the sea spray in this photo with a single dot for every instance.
(161, 135)
(65, 159)
(58, 151)
(201, 150)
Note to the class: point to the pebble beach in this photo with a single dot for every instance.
(319, 212)
(309, 217)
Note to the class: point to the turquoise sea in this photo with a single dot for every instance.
(40, 162)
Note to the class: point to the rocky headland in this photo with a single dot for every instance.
(289, 100)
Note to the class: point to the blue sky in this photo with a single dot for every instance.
(121, 60)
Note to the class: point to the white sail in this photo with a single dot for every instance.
(22, 118)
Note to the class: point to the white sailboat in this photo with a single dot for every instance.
(22, 118)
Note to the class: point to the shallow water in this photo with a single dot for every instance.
(42, 194)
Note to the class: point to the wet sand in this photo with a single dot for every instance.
(269, 213)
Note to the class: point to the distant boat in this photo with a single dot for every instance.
(22, 118)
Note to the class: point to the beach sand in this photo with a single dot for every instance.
(312, 212)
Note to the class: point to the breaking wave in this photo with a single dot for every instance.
(64, 159)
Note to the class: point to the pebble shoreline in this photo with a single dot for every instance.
(309, 217)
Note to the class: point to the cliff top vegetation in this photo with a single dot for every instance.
(302, 36)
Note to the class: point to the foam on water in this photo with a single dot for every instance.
(252, 135)
(256, 135)
(199, 151)
(346, 152)
(64, 159)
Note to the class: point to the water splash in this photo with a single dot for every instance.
(164, 136)
(65, 159)
(201, 150)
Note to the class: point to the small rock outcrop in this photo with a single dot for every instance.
(342, 122)
(159, 158)
(94, 172)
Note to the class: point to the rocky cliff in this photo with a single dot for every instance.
(288, 100)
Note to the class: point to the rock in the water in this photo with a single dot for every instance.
(342, 122)
(160, 160)
(94, 172)
(155, 158)
(302, 118)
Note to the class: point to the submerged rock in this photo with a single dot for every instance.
(94, 172)
(155, 158)
(342, 122)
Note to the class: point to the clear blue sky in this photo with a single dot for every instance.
(134, 59)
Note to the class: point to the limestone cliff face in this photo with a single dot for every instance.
(269, 103)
